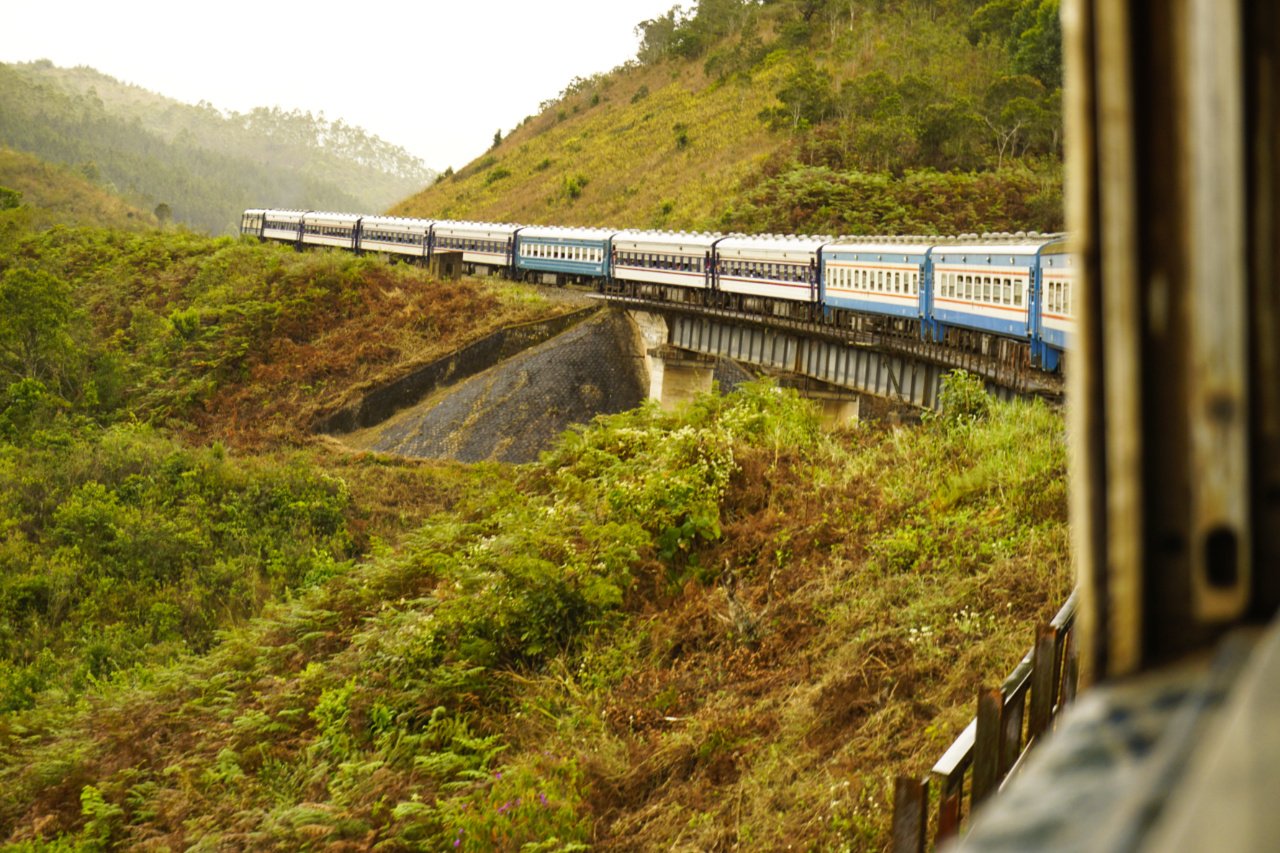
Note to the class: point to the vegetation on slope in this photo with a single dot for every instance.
(125, 540)
(717, 628)
(697, 630)
(55, 195)
(195, 164)
(836, 116)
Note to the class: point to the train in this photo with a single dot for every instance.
(1009, 296)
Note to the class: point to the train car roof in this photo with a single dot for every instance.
(776, 243)
(474, 226)
(997, 249)
(880, 248)
(403, 222)
(333, 215)
(668, 238)
(567, 233)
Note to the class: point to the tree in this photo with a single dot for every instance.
(1031, 32)
(1012, 110)
(163, 213)
(807, 99)
(36, 315)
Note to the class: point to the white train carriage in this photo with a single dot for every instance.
(338, 230)
(667, 265)
(395, 236)
(283, 225)
(767, 273)
(564, 254)
(876, 277)
(251, 222)
(483, 244)
(986, 288)
(1058, 310)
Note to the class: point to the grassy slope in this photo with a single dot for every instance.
(129, 533)
(634, 171)
(627, 152)
(572, 655)
(56, 195)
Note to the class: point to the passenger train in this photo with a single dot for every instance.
(1010, 296)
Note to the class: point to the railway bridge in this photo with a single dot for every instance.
(683, 343)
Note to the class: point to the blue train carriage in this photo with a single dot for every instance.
(283, 225)
(395, 236)
(1058, 310)
(769, 274)
(983, 296)
(666, 265)
(876, 283)
(487, 247)
(336, 230)
(552, 255)
(251, 222)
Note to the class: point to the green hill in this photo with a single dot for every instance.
(795, 115)
(196, 164)
(55, 195)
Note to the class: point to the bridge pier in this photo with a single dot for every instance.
(676, 376)
(835, 408)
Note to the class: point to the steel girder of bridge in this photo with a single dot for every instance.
(897, 368)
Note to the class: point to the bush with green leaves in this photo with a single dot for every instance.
(122, 547)
(964, 398)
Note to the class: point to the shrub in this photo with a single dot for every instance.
(964, 398)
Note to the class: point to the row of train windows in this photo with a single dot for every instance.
(329, 230)
(662, 262)
(393, 237)
(756, 269)
(281, 225)
(875, 281)
(991, 289)
(471, 245)
(1057, 298)
(557, 252)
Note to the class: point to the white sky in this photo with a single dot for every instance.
(379, 64)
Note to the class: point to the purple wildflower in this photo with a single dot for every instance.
(542, 797)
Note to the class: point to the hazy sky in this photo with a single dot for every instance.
(381, 64)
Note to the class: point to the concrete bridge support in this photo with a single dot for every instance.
(677, 376)
(837, 408)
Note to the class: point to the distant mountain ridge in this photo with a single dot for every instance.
(197, 164)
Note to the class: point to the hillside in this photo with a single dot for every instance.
(196, 164)
(56, 195)
(716, 628)
(831, 116)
